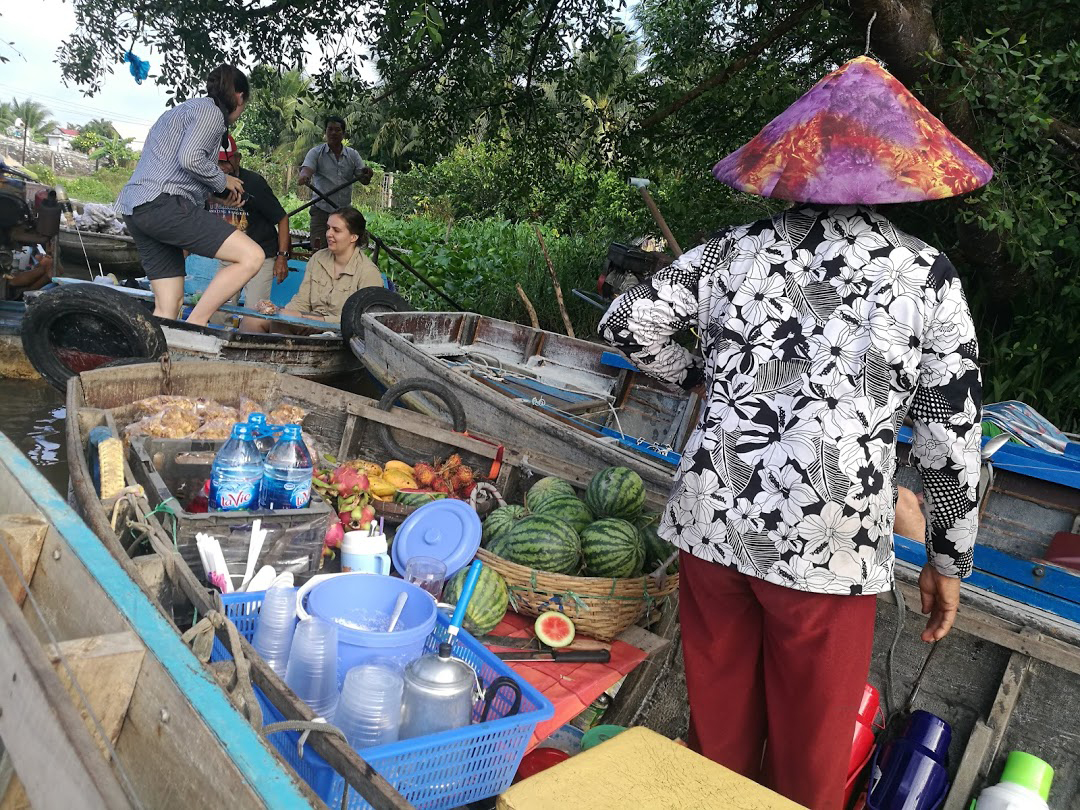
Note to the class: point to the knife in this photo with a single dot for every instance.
(558, 656)
(533, 643)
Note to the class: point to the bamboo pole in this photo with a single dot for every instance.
(555, 283)
(528, 307)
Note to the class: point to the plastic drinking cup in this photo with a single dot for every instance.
(428, 573)
(369, 709)
(274, 630)
(312, 670)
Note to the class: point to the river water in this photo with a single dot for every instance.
(32, 416)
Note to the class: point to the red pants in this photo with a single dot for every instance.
(765, 662)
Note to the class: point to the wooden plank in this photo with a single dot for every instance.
(53, 753)
(415, 423)
(21, 538)
(346, 437)
(106, 669)
(983, 744)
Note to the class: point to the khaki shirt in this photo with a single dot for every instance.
(320, 294)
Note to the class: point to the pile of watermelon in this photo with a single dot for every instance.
(603, 534)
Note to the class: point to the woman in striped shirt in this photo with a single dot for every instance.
(163, 202)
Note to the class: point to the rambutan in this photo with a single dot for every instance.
(425, 475)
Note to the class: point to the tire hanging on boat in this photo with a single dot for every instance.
(396, 391)
(80, 327)
(365, 300)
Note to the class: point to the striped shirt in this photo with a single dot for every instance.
(179, 157)
(331, 171)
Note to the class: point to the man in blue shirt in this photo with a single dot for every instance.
(326, 167)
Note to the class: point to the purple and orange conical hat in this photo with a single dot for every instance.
(857, 136)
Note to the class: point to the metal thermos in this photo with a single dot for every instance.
(440, 690)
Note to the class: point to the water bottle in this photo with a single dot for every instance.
(236, 475)
(261, 431)
(287, 472)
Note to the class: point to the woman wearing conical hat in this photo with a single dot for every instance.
(820, 330)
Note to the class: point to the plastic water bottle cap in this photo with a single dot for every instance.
(1026, 770)
(257, 419)
(290, 432)
(241, 431)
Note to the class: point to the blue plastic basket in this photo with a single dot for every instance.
(435, 772)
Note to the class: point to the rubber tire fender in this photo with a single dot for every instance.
(396, 391)
(144, 335)
(364, 300)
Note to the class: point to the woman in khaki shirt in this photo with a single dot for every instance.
(332, 274)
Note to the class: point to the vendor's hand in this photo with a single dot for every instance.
(941, 599)
(365, 175)
(234, 188)
(9, 276)
(303, 180)
(266, 307)
(281, 269)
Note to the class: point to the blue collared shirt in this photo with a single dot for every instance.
(179, 157)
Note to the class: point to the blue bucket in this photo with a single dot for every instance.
(360, 605)
(930, 733)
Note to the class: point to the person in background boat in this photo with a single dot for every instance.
(163, 202)
(818, 330)
(326, 167)
(33, 270)
(332, 274)
(267, 224)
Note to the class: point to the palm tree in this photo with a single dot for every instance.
(7, 116)
(35, 118)
(99, 126)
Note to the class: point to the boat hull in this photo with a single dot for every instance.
(104, 253)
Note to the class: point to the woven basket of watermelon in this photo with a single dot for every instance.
(596, 558)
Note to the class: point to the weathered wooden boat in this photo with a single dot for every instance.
(13, 361)
(344, 424)
(563, 396)
(111, 323)
(100, 253)
(103, 705)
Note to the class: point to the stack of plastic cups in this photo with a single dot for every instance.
(312, 670)
(369, 711)
(274, 631)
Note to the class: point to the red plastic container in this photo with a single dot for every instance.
(537, 760)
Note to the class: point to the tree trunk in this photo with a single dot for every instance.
(903, 34)
(25, 132)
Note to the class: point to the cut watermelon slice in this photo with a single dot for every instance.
(554, 629)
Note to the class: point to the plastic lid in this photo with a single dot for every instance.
(257, 419)
(291, 432)
(447, 530)
(241, 431)
(1021, 768)
(594, 736)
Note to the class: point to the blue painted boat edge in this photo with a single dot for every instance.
(253, 759)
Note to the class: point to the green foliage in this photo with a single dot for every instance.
(86, 142)
(43, 174)
(103, 186)
(114, 152)
(477, 263)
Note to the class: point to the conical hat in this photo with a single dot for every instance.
(857, 136)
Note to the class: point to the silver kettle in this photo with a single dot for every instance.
(440, 690)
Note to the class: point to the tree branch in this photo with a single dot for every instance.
(536, 44)
(739, 64)
(1065, 134)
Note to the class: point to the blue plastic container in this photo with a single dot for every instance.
(930, 733)
(904, 777)
(436, 772)
(357, 601)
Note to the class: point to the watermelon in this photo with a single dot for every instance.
(498, 522)
(657, 549)
(541, 542)
(554, 629)
(546, 488)
(417, 497)
(489, 601)
(568, 508)
(612, 547)
(616, 492)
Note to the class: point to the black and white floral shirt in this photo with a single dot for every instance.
(818, 331)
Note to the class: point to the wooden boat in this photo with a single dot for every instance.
(103, 705)
(13, 361)
(102, 253)
(347, 425)
(562, 396)
(322, 357)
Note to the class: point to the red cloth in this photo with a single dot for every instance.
(570, 687)
(768, 662)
